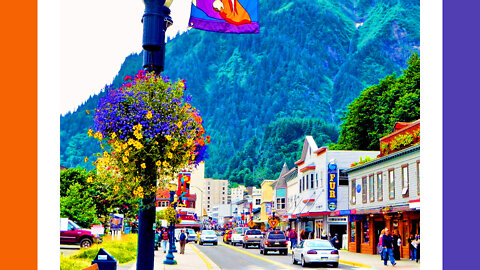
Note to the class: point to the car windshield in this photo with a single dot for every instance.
(190, 231)
(73, 225)
(208, 232)
(318, 244)
(238, 230)
(254, 232)
(276, 236)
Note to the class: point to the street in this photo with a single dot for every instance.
(235, 257)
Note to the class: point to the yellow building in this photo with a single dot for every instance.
(267, 198)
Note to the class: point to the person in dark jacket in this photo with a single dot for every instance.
(335, 241)
(183, 241)
(387, 242)
(411, 248)
(396, 244)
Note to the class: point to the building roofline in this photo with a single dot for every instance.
(376, 161)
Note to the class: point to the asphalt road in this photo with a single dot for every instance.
(235, 257)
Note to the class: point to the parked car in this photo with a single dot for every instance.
(237, 235)
(315, 251)
(227, 236)
(191, 235)
(274, 241)
(252, 238)
(74, 234)
(208, 236)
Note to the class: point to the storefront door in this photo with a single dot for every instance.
(378, 227)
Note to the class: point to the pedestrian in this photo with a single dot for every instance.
(183, 241)
(397, 243)
(164, 238)
(324, 235)
(417, 238)
(335, 242)
(387, 242)
(293, 238)
(303, 235)
(380, 244)
(410, 247)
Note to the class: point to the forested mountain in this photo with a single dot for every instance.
(261, 94)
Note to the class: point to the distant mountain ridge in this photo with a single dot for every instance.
(309, 61)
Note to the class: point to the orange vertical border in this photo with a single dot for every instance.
(18, 110)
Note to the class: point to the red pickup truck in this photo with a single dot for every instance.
(74, 234)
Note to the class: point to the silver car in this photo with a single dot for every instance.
(315, 251)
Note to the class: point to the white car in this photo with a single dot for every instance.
(315, 251)
(208, 236)
(191, 235)
(237, 235)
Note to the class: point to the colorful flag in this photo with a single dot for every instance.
(225, 16)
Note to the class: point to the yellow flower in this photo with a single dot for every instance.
(89, 179)
(116, 188)
(140, 195)
(168, 137)
(169, 155)
(127, 153)
(125, 160)
(86, 159)
(90, 133)
(143, 165)
(125, 146)
(165, 164)
(189, 142)
(158, 163)
(126, 169)
(140, 189)
(105, 154)
(101, 145)
(87, 111)
(179, 124)
(149, 115)
(114, 135)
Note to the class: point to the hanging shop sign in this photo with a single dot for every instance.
(332, 186)
(268, 209)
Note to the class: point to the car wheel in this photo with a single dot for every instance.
(261, 251)
(335, 265)
(304, 263)
(201, 243)
(85, 243)
(265, 252)
(215, 243)
(293, 260)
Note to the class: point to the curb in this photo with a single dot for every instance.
(203, 257)
(355, 264)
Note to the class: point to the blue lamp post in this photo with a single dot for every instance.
(169, 259)
(155, 21)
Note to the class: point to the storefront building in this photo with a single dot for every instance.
(322, 189)
(385, 193)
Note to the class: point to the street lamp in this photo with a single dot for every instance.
(156, 20)
(169, 259)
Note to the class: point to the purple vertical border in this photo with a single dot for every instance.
(461, 137)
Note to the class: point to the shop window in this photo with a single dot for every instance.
(405, 181)
(353, 195)
(371, 190)
(258, 201)
(364, 190)
(379, 187)
(342, 178)
(352, 232)
(316, 178)
(280, 203)
(391, 184)
(418, 177)
(366, 232)
(300, 186)
(311, 181)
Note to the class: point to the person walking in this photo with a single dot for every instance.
(303, 235)
(410, 247)
(183, 241)
(387, 242)
(397, 243)
(324, 235)
(293, 237)
(335, 241)
(417, 249)
(164, 239)
(380, 244)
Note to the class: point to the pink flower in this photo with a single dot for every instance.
(127, 78)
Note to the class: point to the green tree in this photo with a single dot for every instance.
(78, 206)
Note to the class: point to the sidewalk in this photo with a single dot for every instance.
(368, 261)
(193, 259)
